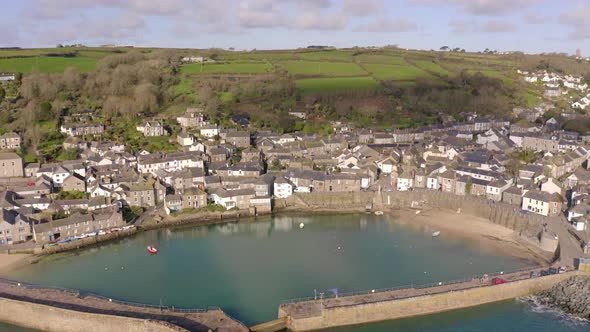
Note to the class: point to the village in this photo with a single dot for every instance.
(531, 164)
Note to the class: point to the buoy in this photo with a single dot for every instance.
(122, 268)
(301, 225)
(339, 248)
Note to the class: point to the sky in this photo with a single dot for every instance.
(531, 26)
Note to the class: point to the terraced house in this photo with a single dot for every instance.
(82, 129)
(75, 225)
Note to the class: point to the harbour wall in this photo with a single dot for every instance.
(528, 226)
(48, 318)
(420, 305)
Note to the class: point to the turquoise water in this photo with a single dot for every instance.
(248, 268)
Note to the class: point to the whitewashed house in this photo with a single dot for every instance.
(282, 188)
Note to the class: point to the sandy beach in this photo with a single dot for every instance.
(481, 232)
(12, 261)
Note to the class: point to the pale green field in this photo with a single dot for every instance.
(336, 84)
(391, 72)
(230, 67)
(47, 64)
(322, 68)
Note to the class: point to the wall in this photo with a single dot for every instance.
(85, 242)
(528, 226)
(422, 305)
(47, 318)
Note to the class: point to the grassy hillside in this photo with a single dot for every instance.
(385, 87)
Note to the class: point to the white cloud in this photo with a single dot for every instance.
(482, 7)
(536, 18)
(363, 7)
(388, 25)
(577, 19)
(498, 26)
(471, 26)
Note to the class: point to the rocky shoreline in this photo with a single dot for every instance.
(570, 296)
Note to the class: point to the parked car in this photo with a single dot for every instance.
(535, 274)
(562, 269)
(498, 281)
(544, 273)
(553, 270)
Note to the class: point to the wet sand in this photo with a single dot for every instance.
(479, 231)
(10, 262)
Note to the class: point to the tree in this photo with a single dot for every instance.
(2, 94)
(45, 111)
(444, 48)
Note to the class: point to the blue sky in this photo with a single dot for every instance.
(532, 26)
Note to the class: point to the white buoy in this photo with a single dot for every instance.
(301, 225)
(339, 248)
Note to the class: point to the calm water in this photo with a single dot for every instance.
(248, 268)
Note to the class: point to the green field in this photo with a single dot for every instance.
(391, 72)
(433, 67)
(322, 68)
(257, 56)
(380, 58)
(47, 64)
(338, 55)
(229, 68)
(327, 85)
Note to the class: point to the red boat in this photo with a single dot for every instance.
(152, 250)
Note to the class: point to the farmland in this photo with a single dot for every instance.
(324, 68)
(330, 85)
(309, 70)
(47, 64)
(227, 68)
(402, 73)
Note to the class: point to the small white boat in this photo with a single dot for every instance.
(435, 234)
(301, 225)
(378, 213)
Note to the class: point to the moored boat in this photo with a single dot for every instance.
(435, 234)
(152, 250)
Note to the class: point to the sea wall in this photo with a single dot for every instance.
(421, 305)
(529, 226)
(89, 241)
(47, 318)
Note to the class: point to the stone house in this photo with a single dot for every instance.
(193, 117)
(540, 143)
(14, 227)
(143, 193)
(446, 181)
(478, 187)
(461, 185)
(74, 182)
(512, 195)
(75, 225)
(10, 141)
(11, 165)
(152, 128)
(383, 138)
(240, 139)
